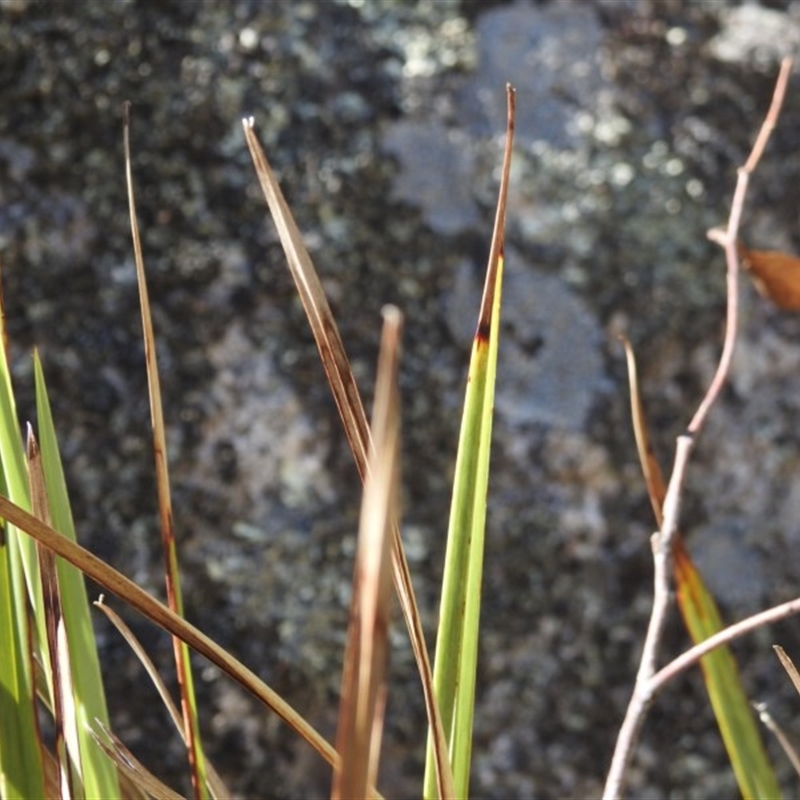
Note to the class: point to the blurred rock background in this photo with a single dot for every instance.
(384, 121)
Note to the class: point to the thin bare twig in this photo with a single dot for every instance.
(642, 693)
(644, 687)
(738, 629)
(727, 240)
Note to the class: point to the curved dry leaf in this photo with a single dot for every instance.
(116, 583)
(137, 777)
(775, 274)
(351, 410)
(215, 783)
(788, 665)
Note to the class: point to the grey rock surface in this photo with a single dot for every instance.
(633, 117)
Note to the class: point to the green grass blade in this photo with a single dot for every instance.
(99, 773)
(474, 490)
(457, 639)
(22, 551)
(21, 772)
(735, 717)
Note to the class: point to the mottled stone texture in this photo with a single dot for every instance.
(384, 122)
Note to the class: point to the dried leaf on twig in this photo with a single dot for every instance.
(775, 274)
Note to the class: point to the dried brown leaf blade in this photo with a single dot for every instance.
(651, 469)
(364, 676)
(183, 665)
(351, 411)
(215, 782)
(315, 303)
(134, 771)
(147, 605)
(788, 665)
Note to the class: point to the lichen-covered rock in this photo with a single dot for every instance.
(383, 122)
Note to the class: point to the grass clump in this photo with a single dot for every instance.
(48, 656)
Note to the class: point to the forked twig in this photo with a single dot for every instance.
(662, 540)
(735, 631)
(727, 240)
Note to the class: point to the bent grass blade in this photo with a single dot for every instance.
(138, 778)
(215, 783)
(116, 583)
(457, 639)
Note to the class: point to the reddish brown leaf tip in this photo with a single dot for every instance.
(483, 333)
